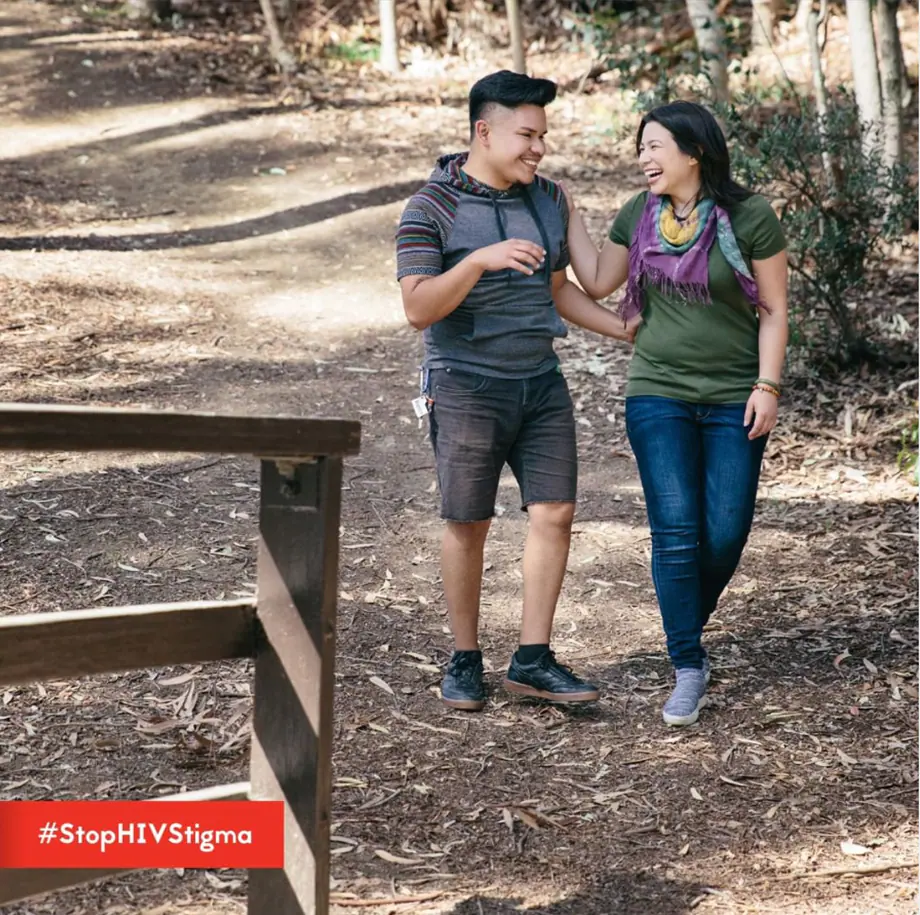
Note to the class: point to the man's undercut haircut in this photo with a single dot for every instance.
(507, 90)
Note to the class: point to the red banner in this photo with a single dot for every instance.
(141, 834)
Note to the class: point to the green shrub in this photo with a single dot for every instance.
(353, 52)
(840, 225)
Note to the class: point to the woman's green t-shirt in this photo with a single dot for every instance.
(695, 352)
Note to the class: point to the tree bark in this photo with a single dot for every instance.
(890, 68)
(389, 37)
(286, 9)
(763, 20)
(516, 30)
(433, 14)
(280, 54)
(817, 78)
(865, 72)
(801, 15)
(710, 39)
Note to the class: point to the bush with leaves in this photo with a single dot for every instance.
(841, 222)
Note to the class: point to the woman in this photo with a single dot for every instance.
(704, 264)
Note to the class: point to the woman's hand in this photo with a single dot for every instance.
(762, 409)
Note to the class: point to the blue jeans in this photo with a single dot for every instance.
(699, 472)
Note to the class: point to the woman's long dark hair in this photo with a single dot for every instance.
(697, 134)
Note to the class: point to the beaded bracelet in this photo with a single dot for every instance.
(767, 389)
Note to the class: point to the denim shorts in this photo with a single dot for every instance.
(479, 424)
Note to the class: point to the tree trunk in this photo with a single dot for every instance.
(389, 38)
(801, 15)
(149, 9)
(281, 55)
(516, 29)
(286, 9)
(710, 39)
(865, 72)
(889, 63)
(763, 19)
(433, 14)
(817, 77)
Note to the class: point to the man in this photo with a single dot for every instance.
(481, 261)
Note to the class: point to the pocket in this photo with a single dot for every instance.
(458, 384)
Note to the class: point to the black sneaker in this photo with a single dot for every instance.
(546, 678)
(462, 684)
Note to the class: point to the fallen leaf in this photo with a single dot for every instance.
(895, 687)
(841, 658)
(176, 681)
(382, 684)
(695, 794)
(526, 817)
(159, 725)
(395, 859)
(851, 848)
(219, 884)
(348, 782)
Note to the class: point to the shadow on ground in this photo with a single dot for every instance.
(282, 221)
(614, 891)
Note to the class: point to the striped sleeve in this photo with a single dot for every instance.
(419, 250)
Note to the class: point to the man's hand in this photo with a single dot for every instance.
(515, 254)
(631, 328)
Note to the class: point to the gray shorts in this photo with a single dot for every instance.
(479, 424)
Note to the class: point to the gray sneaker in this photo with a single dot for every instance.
(684, 704)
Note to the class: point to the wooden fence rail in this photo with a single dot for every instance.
(289, 629)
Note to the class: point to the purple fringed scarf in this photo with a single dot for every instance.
(681, 272)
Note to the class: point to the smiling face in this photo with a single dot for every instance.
(512, 142)
(668, 169)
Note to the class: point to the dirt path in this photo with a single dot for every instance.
(153, 252)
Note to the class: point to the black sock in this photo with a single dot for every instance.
(475, 655)
(527, 654)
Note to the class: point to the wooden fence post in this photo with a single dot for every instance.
(294, 677)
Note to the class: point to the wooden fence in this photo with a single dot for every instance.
(289, 628)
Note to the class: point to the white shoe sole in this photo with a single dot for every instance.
(675, 721)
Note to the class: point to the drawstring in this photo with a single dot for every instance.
(503, 235)
(528, 200)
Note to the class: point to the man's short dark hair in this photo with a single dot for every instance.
(510, 90)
